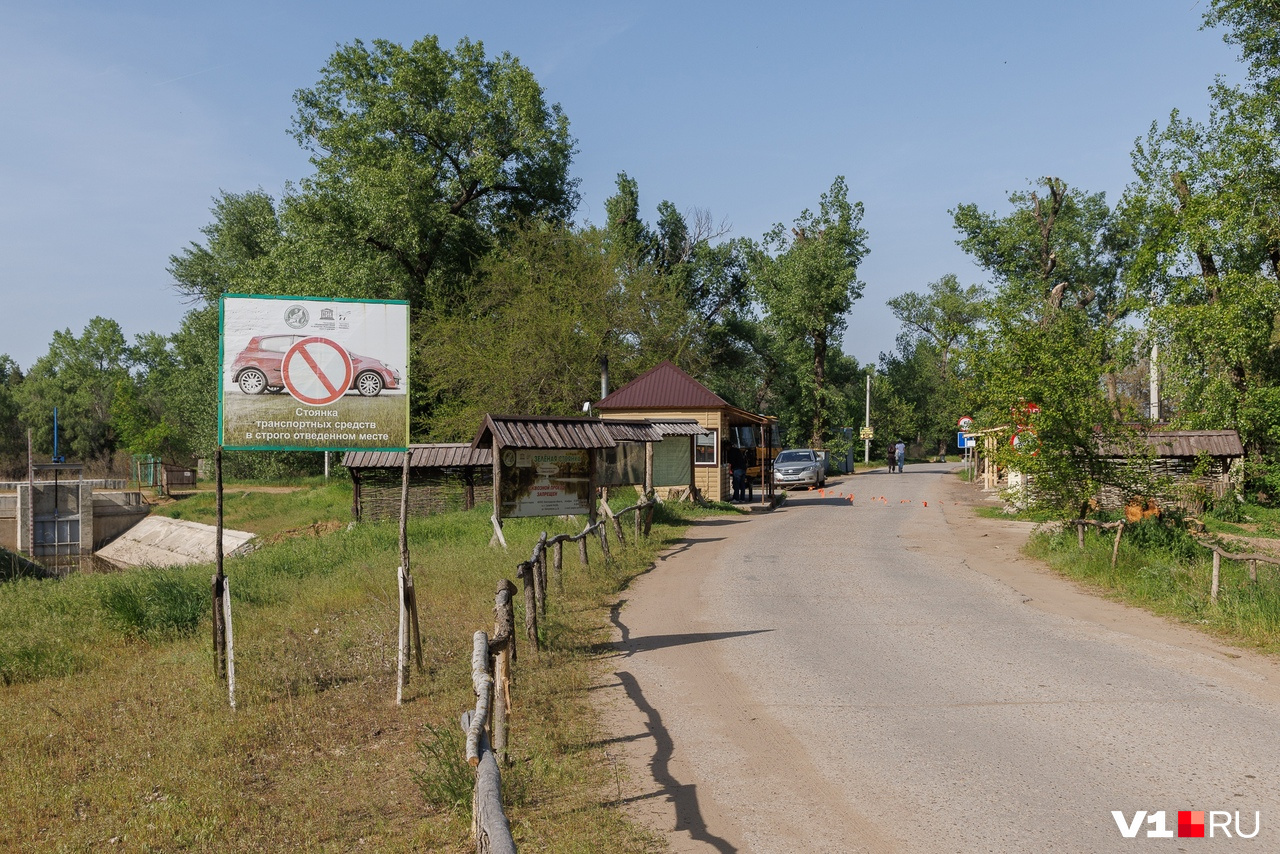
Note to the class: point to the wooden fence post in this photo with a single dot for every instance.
(604, 541)
(557, 560)
(230, 642)
(542, 574)
(219, 634)
(525, 573)
(617, 529)
(1080, 533)
(1115, 548)
(1217, 564)
(504, 641)
(1253, 571)
(582, 549)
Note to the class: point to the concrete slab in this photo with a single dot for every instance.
(161, 541)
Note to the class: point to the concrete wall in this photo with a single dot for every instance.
(103, 515)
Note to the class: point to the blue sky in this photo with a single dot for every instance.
(121, 121)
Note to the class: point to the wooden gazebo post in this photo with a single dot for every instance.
(497, 495)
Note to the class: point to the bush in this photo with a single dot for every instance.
(446, 781)
(1166, 534)
(155, 603)
(1227, 509)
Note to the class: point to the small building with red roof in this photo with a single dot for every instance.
(664, 393)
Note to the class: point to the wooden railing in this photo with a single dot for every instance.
(492, 658)
(1219, 553)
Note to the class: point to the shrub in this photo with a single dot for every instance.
(1167, 534)
(447, 781)
(155, 603)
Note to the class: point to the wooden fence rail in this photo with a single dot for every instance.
(1251, 558)
(492, 658)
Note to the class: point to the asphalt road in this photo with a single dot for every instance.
(882, 675)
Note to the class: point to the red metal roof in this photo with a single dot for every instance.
(663, 386)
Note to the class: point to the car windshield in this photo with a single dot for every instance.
(795, 457)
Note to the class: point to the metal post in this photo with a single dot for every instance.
(866, 443)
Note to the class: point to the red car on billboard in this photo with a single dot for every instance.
(257, 368)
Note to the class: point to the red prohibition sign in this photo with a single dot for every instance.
(316, 371)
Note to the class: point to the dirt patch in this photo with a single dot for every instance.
(315, 529)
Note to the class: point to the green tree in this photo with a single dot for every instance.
(13, 436)
(79, 376)
(806, 279)
(1051, 335)
(935, 326)
(1204, 211)
(422, 155)
(540, 312)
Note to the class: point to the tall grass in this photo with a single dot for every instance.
(1162, 568)
(113, 727)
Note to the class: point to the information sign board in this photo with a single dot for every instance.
(539, 482)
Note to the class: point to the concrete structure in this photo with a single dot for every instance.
(72, 518)
(161, 541)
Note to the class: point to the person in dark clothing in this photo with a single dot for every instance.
(738, 472)
(891, 456)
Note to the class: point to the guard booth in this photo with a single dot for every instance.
(667, 395)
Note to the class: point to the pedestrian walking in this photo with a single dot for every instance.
(900, 453)
(891, 456)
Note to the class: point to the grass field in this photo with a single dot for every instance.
(1162, 569)
(113, 729)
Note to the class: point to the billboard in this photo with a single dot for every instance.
(312, 374)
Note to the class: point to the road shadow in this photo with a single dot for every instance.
(684, 797)
(629, 646)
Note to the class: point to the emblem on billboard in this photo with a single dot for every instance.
(296, 316)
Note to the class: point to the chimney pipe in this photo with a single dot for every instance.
(604, 377)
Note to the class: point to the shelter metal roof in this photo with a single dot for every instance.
(1187, 443)
(421, 456)
(544, 432)
(678, 427)
(624, 430)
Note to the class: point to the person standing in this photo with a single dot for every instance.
(738, 472)
(891, 456)
(900, 453)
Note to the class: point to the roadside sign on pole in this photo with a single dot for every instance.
(866, 433)
(313, 374)
(962, 441)
(964, 423)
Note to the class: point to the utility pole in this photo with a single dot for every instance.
(866, 443)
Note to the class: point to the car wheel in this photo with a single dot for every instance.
(274, 389)
(252, 381)
(369, 384)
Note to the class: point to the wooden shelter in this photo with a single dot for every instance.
(1207, 462)
(441, 478)
(550, 466)
(667, 395)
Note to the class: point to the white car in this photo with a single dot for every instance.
(799, 467)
